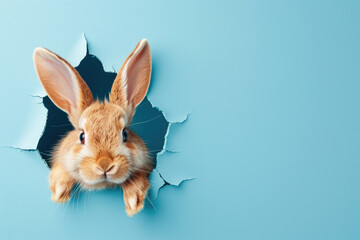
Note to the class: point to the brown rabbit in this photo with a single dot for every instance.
(101, 151)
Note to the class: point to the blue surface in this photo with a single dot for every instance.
(273, 138)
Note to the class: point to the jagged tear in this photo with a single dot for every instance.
(149, 122)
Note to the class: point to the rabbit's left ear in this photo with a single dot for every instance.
(132, 82)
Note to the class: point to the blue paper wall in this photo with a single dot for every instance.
(274, 132)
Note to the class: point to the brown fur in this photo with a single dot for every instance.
(104, 160)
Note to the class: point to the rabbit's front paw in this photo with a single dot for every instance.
(134, 195)
(61, 184)
(134, 201)
(60, 192)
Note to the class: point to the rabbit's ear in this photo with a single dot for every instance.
(62, 83)
(132, 81)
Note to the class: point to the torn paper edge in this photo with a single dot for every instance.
(155, 190)
(37, 126)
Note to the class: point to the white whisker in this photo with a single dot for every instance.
(133, 124)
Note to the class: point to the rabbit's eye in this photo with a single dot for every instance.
(125, 135)
(82, 138)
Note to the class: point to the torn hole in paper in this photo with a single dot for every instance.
(149, 122)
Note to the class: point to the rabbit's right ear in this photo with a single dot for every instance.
(62, 83)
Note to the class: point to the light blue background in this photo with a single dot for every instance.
(273, 138)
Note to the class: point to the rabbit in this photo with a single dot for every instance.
(101, 151)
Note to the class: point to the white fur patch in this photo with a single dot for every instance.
(132, 203)
(82, 123)
(122, 121)
(122, 150)
(88, 181)
(60, 189)
(120, 180)
(73, 161)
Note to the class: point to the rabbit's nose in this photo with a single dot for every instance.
(107, 169)
(110, 168)
(105, 164)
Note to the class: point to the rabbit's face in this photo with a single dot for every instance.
(104, 152)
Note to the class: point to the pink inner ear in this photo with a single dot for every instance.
(138, 76)
(61, 79)
(133, 76)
